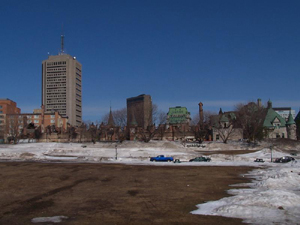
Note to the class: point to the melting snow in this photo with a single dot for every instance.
(272, 197)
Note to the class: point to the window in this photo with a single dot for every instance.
(1, 111)
(0, 106)
(36, 121)
(29, 121)
(52, 121)
(36, 116)
(52, 116)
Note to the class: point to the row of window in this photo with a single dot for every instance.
(56, 63)
(61, 90)
(56, 69)
(50, 96)
(55, 101)
(55, 74)
(56, 85)
(56, 79)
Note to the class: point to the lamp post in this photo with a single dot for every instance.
(116, 147)
(271, 148)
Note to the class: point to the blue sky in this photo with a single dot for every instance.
(180, 52)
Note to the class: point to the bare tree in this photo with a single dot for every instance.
(120, 117)
(206, 117)
(250, 118)
(12, 128)
(158, 116)
(224, 127)
(147, 134)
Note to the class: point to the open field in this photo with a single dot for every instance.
(112, 193)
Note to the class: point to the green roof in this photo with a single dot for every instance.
(271, 117)
(224, 118)
(178, 114)
(290, 120)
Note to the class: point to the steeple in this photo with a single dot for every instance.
(111, 119)
(290, 120)
(220, 111)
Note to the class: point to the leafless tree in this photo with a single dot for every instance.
(120, 117)
(12, 127)
(206, 117)
(224, 129)
(148, 133)
(81, 131)
(250, 118)
(158, 116)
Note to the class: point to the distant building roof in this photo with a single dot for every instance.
(271, 117)
(282, 108)
(178, 114)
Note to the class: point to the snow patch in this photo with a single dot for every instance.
(53, 219)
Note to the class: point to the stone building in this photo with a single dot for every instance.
(276, 126)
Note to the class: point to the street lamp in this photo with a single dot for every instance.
(271, 148)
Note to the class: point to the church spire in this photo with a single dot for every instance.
(111, 119)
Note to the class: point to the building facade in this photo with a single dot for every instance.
(139, 111)
(7, 106)
(62, 87)
(285, 112)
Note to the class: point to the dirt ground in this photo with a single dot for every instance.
(112, 193)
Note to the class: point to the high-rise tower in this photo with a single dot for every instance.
(61, 86)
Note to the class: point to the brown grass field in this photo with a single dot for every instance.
(112, 193)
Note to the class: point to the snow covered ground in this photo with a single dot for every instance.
(272, 198)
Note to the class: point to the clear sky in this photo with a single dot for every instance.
(180, 52)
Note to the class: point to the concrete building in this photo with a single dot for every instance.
(139, 111)
(61, 87)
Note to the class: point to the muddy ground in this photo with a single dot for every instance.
(112, 193)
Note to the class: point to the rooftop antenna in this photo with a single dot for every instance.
(62, 40)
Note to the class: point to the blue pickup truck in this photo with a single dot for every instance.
(161, 158)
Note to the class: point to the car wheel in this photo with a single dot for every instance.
(154, 161)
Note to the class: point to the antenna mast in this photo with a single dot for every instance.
(62, 40)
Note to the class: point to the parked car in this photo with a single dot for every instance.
(161, 158)
(177, 161)
(259, 160)
(201, 159)
(284, 159)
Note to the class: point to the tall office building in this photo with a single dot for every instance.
(61, 86)
(139, 111)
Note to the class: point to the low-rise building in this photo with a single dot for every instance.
(7, 106)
